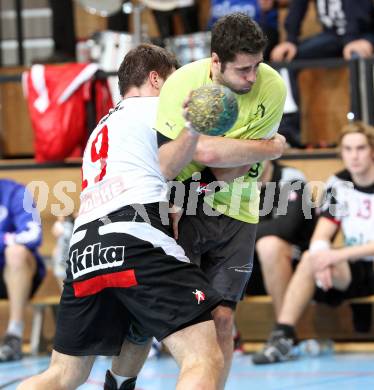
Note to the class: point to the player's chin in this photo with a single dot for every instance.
(243, 91)
(357, 169)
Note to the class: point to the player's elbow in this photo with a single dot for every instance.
(167, 171)
(274, 155)
(206, 155)
(277, 147)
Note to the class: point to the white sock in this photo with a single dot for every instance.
(120, 379)
(15, 328)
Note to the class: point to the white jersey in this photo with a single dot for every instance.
(120, 163)
(352, 208)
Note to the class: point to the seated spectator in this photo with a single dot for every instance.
(347, 29)
(164, 12)
(283, 232)
(360, 30)
(332, 275)
(22, 268)
(264, 12)
(342, 23)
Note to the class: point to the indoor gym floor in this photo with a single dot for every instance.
(342, 371)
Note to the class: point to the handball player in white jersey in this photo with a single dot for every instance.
(125, 271)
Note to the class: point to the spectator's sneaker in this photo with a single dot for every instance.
(278, 349)
(10, 348)
(111, 383)
(238, 344)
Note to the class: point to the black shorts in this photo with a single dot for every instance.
(122, 269)
(362, 285)
(223, 248)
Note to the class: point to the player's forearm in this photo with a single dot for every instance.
(175, 155)
(221, 152)
(324, 231)
(357, 252)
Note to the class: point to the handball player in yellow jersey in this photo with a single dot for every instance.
(222, 241)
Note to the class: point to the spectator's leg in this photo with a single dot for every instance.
(18, 272)
(118, 21)
(302, 287)
(282, 339)
(323, 45)
(299, 292)
(273, 40)
(290, 123)
(189, 16)
(63, 28)
(164, 20)
(275, 256)
(20, 268)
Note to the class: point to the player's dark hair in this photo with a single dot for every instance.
(142, 60)
(361, 128)
(236, 33)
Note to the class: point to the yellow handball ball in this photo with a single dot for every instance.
(212, 109)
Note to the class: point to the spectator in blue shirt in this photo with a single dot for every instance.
(264, 12)
(21, 266)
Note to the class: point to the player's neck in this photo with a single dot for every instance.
(144, 90)
(365, 179)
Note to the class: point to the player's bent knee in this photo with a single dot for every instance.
(224, 319)
(209, 361)
(69, 372)
(341, 276)
(15, 255)
(271, 247)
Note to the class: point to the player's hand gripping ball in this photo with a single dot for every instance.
(212, 109)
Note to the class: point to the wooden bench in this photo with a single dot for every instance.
(39, 305)
(255, 319)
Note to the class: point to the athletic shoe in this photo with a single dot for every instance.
(238, 344)
(10, 348)
(279, 348)
(111, 383)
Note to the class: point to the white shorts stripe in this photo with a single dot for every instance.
(144, 231)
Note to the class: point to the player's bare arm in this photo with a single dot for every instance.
(175, 155)
(223, 152)
(325, 231)
(355, 252)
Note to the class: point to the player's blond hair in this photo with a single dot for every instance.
(358, 127)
